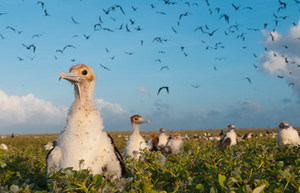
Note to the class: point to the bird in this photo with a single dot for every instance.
(226, 17)
(46, 13)
(174, 144)
(68, 46)
(164, 67)
(3, 146)
(87, 36)
(235, 7)
(83, 144)
(136, 142)
(29, 47)
(104, 67)
(162, 139)
(195, 86)
(152, 144)
(230, 138)
(163, 87)
(74, 21)
(249, 80)
(42, 3)
(287, 135)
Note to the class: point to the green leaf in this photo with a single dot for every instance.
(222, 179)
(200, 187)
(259, 188)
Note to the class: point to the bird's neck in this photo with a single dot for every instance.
(136, 128)
(84, 94)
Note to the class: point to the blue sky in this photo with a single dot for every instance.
(34, 101)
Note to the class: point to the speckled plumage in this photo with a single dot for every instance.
(83, 144)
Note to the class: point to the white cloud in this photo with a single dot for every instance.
(283, 57)
(114, 116)
(29, 114)
(105, 106)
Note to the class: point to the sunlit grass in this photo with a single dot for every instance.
(252, 165)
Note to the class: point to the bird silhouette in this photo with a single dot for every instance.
(37, 35)
(195, 86)
(235, 7)
(42, 3)
(46, 13)
(163, 87)
(74, 21)
(226, 17)
(249, 80)
(104, 67)
(164, 67)
(87, 36)
(29, 47)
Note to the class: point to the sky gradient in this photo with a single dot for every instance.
(245, 70)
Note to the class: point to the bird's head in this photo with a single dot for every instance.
(162, 130)
(83, 78)
(231, 127)
(138, 119)
(284, 125)
(176, 136)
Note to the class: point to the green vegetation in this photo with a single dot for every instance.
(254, 165)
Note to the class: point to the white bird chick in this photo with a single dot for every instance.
(230, 137)
(83, 144)
(136, 142)
(163, 138)
(4, 146)
(175, 143)
(287, 135)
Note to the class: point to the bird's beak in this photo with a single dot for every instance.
(143, 121)
(72, 77)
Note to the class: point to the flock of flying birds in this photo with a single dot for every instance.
(233, 29)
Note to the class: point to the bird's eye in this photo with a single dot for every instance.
(84, 72)
(135, 119)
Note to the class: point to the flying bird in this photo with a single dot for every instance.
(195, 86)
(42, 3)
(104, 67)
(46, 13)
(74, 21)
(235, 7)
(163, 87)
(83, 144)
(226, 17)
(249, 80)
(87, 36)
(68, 46)
(164, 67)
(29, 47)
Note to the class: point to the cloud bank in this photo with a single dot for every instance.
(282, 57)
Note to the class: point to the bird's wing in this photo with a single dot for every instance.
(118, 155)
(226, 142)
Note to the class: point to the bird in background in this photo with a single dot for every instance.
(163, 138)
(83, 144)
(174, 144)
(230, 138)
(287, 135)
(136, 143)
